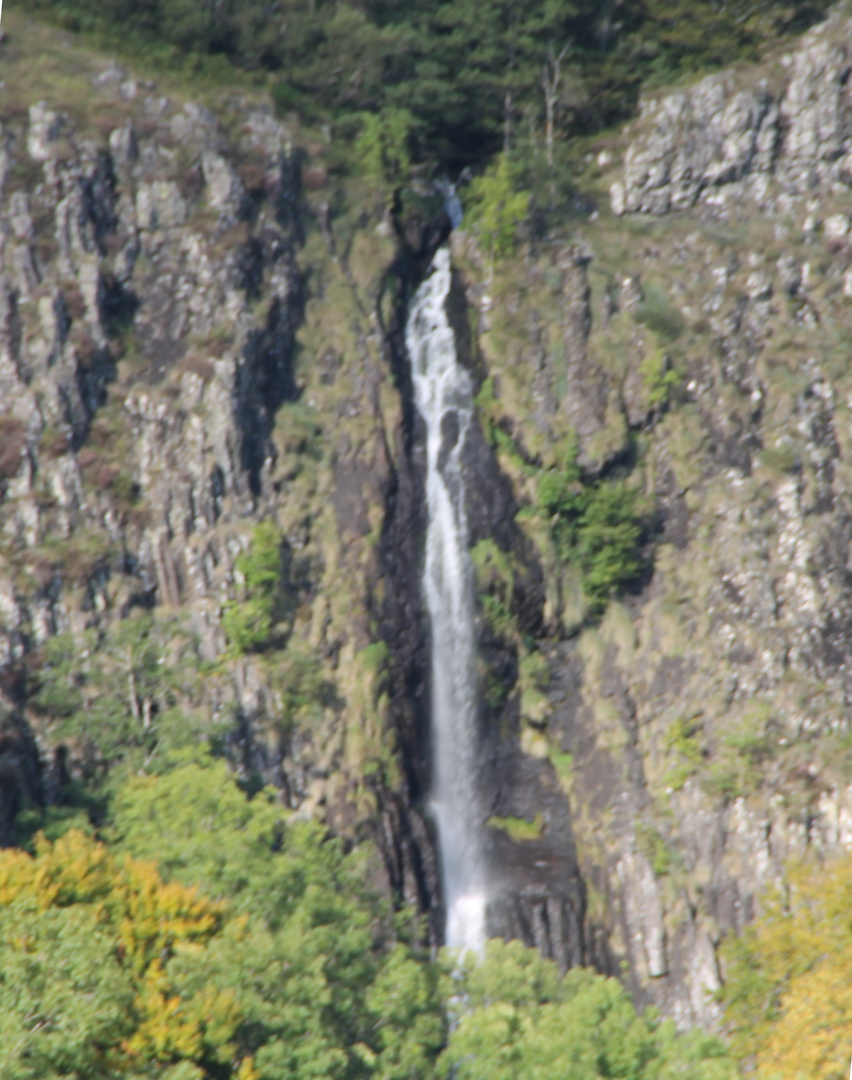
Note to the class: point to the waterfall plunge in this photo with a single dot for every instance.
(444, 396)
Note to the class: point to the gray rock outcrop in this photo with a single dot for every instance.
(732, 134)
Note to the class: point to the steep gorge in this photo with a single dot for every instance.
(199, 332)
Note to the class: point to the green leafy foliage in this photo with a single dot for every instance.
(660, 380)
(598, 526)
(110, 967)
(523, 1020)
(384, 145)
(249, 623)
(497, 209)
(469, 73)
(683, 742)
(64, 997)
(117, 697)
(311, 970)
(85, 947)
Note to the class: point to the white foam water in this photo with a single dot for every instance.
(443, 393)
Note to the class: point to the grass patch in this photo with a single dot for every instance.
(519, 829)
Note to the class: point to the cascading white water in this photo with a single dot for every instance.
(443, 393)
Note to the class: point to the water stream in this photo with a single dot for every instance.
(443, 393)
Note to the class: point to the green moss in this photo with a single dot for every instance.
(683, 740)
(739, 764)
(654, 848)
(533, 679)
(781, 457)
(493, 567)
(519, 829)
(375, 657)
(659, 379)
(658, 313)
(563, 763)
(499, 617)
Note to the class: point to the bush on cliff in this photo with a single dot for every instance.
(598, 526)
(248, 623)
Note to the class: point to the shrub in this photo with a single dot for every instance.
(787, 997)
(497, 209)
(599, 526)
(658, 313)
(384, 145)
(248, 623)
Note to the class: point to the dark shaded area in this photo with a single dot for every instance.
(268, 378)
(99, 198)
(267, 372)
(118, 306)
(21, 782)
(404, 834)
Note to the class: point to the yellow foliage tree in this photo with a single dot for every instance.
(788, 995)
(148, 921)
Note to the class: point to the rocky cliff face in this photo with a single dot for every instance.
(179, 361)
(199, 332)
(707, 713)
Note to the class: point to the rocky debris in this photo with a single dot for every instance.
(723, 140)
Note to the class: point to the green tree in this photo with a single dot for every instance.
(384, 145)
(788, 997)
(599, 526)
(497, 209)
(521, 1019)
(65, 1000)
(86, 943)
(248, 623)
(312, 969)
(108, 692)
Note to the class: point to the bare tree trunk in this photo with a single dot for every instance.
(508, 99)
(131, 687)
(533, 132)
(549, 108)
(550, 78)
(507, 122)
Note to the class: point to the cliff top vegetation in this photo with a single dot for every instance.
(470, 77)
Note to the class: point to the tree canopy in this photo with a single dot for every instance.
(257, 950)
(469, 73)
(788, 995)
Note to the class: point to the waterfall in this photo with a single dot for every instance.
(443, 393)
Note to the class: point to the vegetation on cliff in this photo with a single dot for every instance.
(463, 77)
